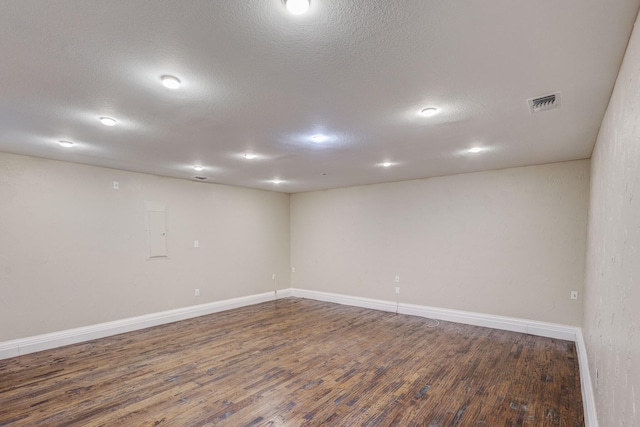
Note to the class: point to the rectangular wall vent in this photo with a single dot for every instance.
(544, 103)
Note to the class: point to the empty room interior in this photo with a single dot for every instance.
(319, 213)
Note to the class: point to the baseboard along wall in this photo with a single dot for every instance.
(588, 398)
(533, 327)
(52, 340)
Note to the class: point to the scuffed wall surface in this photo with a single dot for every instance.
(612, 305)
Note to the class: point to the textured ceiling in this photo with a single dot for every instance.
(258, 79)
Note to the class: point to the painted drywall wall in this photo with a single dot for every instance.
(612, 290)
(508, 242)
(73, 250)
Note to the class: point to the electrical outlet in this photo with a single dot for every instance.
(397, 289)
(273, 277)
(116, 185)
(574, 294)
(197, 292)
(196, 244)
(397, 279)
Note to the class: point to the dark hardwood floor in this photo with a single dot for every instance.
(297, 362)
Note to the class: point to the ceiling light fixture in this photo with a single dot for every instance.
(387, 164)
(429, 112)
(170, 82)
(297, 7)
(319, 138)
(276, 181)
(66, 144)
(475, 150)
(198, 168)
(108, 121)
(250, 156)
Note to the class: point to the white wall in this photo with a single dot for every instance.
(612, 306)
(508, 242)
(73, 250)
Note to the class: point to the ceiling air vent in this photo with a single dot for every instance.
(200, 178)
(544, 103)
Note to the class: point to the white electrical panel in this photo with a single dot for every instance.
(156, 229)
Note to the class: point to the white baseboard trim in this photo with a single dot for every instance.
(36, 343)
(374, 304)
(588, 398)
(533, 327)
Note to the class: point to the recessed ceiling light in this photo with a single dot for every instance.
(475, 150)
(170, 82)
(66, 144)
(250, 156)
(277, 181)
(429, 112)
(297, 7)
(108, 121)
(387, 164)
(319, 138)
(198, 168)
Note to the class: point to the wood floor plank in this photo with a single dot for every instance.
(297, 362)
